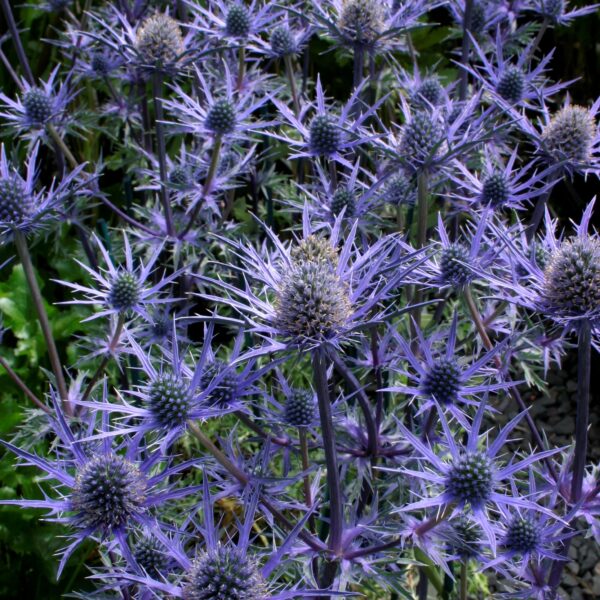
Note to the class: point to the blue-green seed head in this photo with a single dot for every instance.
(224, 574)
(511, 85)
(159, 40)
(38, 106)
(150, 556)
(325, 136)
(179, 177)
(442, 381)
(422, 138)
(464, 538)
(299, 408)
(225, 391)
(108, 491)
(169, 400)
(361, 20)
(570, 134)
(477, 17)
(572, 278)
(454, 262)
(282, 42)
(16, 205)
(125, 291)
(343, 198)
(470, 479)
(100, 63)
(237, 22)
(431, 91)
(495, 190)
(400, 190)
(523, 535)
(221, 118)
(312, 302)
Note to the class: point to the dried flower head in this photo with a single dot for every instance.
(159, 41)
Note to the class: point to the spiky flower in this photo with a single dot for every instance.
(283, 42)
(570, 134)
(495, 189)
(511, 84)
(221, 117)
(455, 269)
(400, 190)
(170, 400)
(24, 208)
(314, 249)
(108, 490)
(222, 381)
(223, 574)
(343, 198)
(150, 555)
(469, 479)
(159, 41)
(361, 20)
(523, 535)
(443, 381)
(464, 538)
(572, 278)
(124, 291)
(430, 92)
(16, 204)
(325, 135)
(237, 21)
(312, 303)
(422, 138)
(299, 408)
(38, 106)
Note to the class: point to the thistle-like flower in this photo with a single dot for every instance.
(98, 489)
(326, 133)
(310, 294)
(36, 107)
(500, 184)
(557, 11)
(471, 477)
(122, 290)
(25, 208)
(440, 377)
(565, 285)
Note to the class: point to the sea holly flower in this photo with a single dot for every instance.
(368, 24)
(471, 477)
(500, 183)
(219, 566)
(565, 284)
(441, 378)
(423, 91)
(101, 491)
(122, 290)
(288, 37)
(37, 106)
(157, 43)
(484, 16)
(354, 195)
(309, 293)
(557, 11)
(25, 207)
(514, 81)
(327, 133)
(221, 112)
(234, 22)
(459, 263)
(569, 139)
(430, 138)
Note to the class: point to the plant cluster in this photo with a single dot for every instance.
(298, 309)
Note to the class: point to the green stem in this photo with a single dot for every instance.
(63, 147)
(23, 386)
(38, 301)
(463, 580)
(289, 69)
(241, 67)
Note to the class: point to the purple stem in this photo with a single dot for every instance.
(336, 506)
(466, 43)
(14, 32)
